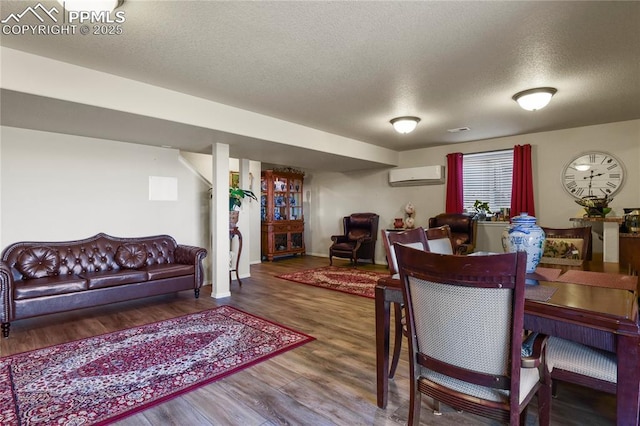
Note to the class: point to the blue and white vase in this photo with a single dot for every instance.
(524, 235)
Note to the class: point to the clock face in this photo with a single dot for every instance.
(596, 174)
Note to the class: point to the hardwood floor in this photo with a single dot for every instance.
(330, 381)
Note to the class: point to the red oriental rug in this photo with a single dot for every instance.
(346, 280)
(101, 379)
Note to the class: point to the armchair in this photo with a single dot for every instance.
(358, 240)
(463, 230)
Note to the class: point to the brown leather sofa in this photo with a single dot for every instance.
(463, 230)
(39, 278)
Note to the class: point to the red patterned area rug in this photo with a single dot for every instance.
(347, 280)
(98, 380)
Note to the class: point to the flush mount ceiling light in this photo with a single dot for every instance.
(90, 5)
(405, 125)
(534, 99)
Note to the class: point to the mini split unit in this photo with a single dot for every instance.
(425, 175)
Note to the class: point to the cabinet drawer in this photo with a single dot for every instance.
(280, 228)
(296, 227)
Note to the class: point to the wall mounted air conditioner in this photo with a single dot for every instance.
(425, 175)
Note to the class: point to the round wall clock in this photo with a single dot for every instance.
(594, 173)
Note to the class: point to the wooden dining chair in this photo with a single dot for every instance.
(567, 243)
(465, 319)
(440, 239)
(416, 238)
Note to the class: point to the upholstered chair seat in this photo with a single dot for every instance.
(582, 364)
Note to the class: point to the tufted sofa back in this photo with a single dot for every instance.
(99, 253)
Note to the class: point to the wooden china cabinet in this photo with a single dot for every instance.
(282, 213)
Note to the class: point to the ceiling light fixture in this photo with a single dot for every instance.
(534, 99)
(405, 125)
(90, 5)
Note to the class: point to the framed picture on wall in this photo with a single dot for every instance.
(234, 179)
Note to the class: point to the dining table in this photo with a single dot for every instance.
(594, 304)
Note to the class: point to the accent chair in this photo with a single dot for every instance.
(463, 230)
(358, 240)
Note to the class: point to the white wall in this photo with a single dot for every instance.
(61, 187)
(334, 195)
(250, 208)
(57, 186)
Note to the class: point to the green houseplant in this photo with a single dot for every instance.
(236, 195)
(482, 209)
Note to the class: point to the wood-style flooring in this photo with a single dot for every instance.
(330, 381)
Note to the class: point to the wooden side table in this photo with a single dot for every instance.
(232, 233)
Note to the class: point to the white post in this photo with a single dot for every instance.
(245, 217)
(610, 242)
(220, 222)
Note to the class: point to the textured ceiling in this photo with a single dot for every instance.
(349, 67)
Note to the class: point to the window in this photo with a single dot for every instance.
(487, 177)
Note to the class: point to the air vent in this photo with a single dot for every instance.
(458, 130)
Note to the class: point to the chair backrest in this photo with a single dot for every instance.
(463, 230)
(465, 319)
(568, 243)
(415, 238)
(440, 240)
(361, 225)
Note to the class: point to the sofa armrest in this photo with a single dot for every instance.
(191, 255)
(6, 293)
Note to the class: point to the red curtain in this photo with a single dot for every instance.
(522, 186)
(454, 202)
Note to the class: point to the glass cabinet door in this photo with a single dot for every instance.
(280, 193)
(295, 199)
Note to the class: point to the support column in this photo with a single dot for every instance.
(245, 215)
(220, 222)
(611, 242)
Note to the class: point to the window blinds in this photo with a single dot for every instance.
(487, 176)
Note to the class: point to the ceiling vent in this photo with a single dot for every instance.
(425, 175)
(458, 130)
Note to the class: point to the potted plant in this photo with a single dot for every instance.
(236, 195)
(482, 209)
